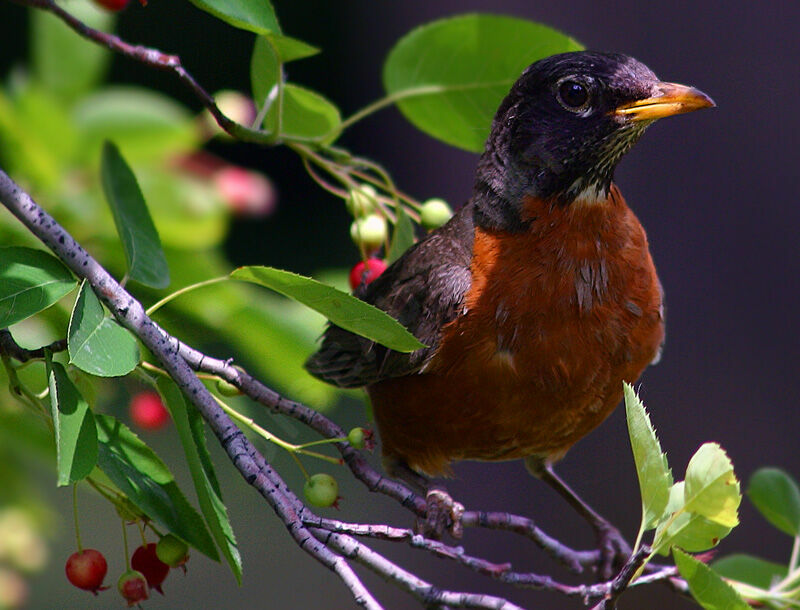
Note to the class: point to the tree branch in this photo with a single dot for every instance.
(130, 313)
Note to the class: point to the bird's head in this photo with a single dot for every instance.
(567, 121)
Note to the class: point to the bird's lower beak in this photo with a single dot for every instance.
(672, 99)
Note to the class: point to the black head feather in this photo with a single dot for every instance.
(555, 135)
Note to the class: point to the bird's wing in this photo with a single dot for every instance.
(424, 290)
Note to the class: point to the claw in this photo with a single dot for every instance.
(443, 514)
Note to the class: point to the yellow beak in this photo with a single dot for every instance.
(673, 99)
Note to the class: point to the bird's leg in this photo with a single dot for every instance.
(614, 549)
(442, 512)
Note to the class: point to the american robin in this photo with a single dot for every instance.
(537, 299)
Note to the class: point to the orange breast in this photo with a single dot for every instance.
(556, 318)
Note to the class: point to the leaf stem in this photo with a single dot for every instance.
(75, 516)
(125, 544)
(155, 307)
(267, 435)
(382, 103)
(795, 554)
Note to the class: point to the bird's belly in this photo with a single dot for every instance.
(494, 404)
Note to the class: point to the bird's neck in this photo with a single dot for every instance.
(502, 185)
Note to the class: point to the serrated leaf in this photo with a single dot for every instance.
(30, 281)
(712, 489)
(751, 570)
(146, 261)
(141, 475)
(655, 477)
(776, 496)
(190, 429)
(258, 16)
(96, 343)
(74, 425)
(65, 63)
(689, 531)
(450, 75)
(403, 236)
(341, 308)
(303, 114)
(708, 589)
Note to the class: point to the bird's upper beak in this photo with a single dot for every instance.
(671, 99)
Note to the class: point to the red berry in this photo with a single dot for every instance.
(112, 5)
(86, 570)
(366, 271)
(132, 585)
(148, 412)
(145, 560)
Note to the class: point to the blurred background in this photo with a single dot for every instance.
(717, 192)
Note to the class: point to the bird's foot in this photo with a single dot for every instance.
(443, 515)
(614, 550)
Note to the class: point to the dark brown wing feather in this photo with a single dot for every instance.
(424, 290)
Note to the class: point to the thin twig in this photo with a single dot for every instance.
(11, 348)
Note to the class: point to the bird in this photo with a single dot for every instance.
(536, 300)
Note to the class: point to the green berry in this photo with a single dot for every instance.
(172, 550)
(356, 438)
(434, 213)
(227, 389)
(369, 232)
(321, 490)
(361, 201)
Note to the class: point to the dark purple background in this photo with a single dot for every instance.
(717, 192)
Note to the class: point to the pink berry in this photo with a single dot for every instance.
(366, 271)
(148, 412)
(246, 193)
(132, 585)
(86, 570)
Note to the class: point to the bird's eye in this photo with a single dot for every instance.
(573, 95)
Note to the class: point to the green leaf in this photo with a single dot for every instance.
(290, 49)
(712, 489)
(190, 429)
(30, 281)
(96, 343)
(146, 261)
(655, 477)
(145, 479)
(450, 75)
(66, 64)
(341, 308)
(751, 570)
(689, 531)
(302, 114)
(776, 496)
(707, 588)
(403, 237)
(73, 421)
(265, 70)
(147, 126)
(255, 16)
